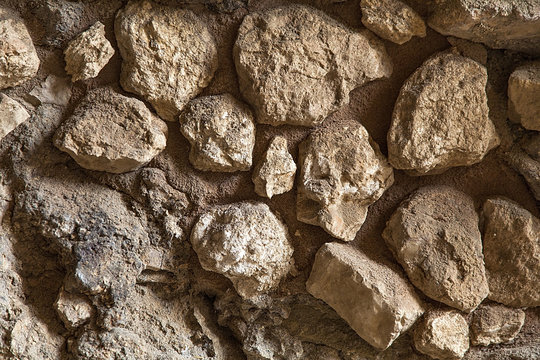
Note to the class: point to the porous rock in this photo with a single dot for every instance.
(495, 324)
(475, 51)
(343, 172)
(524, 96)
(168, 55)
(73, 309)
(297, 65)
(12, 114)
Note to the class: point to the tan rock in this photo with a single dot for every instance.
(377, 302)
(88, 53)
(296, 65)
(512, 253)
(168, 55)
(392, 20)
(274, 174)
(111, 132)
(12, 114)
(495, 324)
(475, 51)
(221, 132)
(343, 172)
(440, 119)
(524, 96)
(74, 310)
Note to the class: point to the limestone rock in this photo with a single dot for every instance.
(343, 172)
(111, 132)
(296, 65)
(221, 132)
(245, 242)
(168, 55)
(440, 119)
(18, 58)
(274, 174)
(442, 335)
(88, 53)
(512, 253)
(12, 114)
(524, 96)
(392, 20)
(54, 90)
(74, 310)
(500, 24)
(495, 324)
(378, 303)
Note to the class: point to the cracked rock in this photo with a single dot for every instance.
(495, 324)
(524, 96)
(12, 114)
(74, 310)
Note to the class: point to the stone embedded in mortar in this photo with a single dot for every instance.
(377, 302)
(524, 96)
(495, 324)
(221, 132)
(274, 174)
(111, 132)
(73, 309)
(12, 114)
(441, 117)
(392, 20)
(343, 172)
(245, 242)
(296, 65)
(88, 53)
(512, 253)
(168, 55)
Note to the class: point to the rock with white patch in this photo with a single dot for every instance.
(12, 114)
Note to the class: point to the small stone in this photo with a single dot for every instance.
(274, 174)
(245, 242)
(19, 60)
(441, 118)
(377, 302)
(343, 172)
(221, 132)
(54, 90)
(392, 20)
(512, 253)
(527, 166)
(442, 335)
(88, 53)
(524, 96)
(495, 324)
(111, 132)
(74, 310)
(12, 114)
(296, 65)
(168, 55)
(434, 235)
(472, 50)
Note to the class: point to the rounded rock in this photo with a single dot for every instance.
(524, 96)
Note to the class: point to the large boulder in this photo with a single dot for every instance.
(524, 96)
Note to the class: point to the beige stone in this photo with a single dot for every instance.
(472, 50)
(377, 302)
(54, 90)
(74, 310)
(495, 324)
(296, 65)
(524, 96)
(12, 114)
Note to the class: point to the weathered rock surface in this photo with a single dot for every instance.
(274, 174)
(88, 53)
(168, 55)
(343, 172)
(73, 309)
(54, 90)
(61, 20)
(378, 303)
(475, 51)
(495, 324)
(245, 242)
(527, 166)
(441, 117)
(524, 95)
(434, 235)
(111, 132)
(297, 65)
(512, 253)
(392, 20)
(221, 132)
(12, 114)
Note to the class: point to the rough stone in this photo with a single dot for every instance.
(274, 174)
(88, 53)
(441, 118)
(528, 166)
(434, 235)
(73, 309)
(524, 95)
(12, 114)
(475, 51)
(495, 324)
(54, 90)
(343, 172)
(296, 65)
(61, 21)
(377, 302)
(111, 132)
(168, 54)
(221, 132)
(512, 253)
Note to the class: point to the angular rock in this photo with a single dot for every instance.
(475, 51)
(245, 242)
(392, 20)
(377, 302)
(527, 166)
(343, 172)
(221, 132)
(274, 174)
(512, 253)
(54, 90)
(88, 53)
(168, 55)
(524, 95)
(495, 324)
(19, 58)
(296, 65)
(111, 132)
(434, 235)
(12, 114)
(440, 119)
(74, 310)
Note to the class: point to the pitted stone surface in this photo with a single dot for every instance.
(524, 96)
(495, 324)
